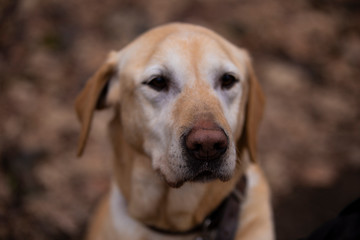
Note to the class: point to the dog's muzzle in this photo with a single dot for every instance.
(205, 145)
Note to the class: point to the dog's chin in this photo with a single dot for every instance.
(203, 173)
(207, 176)
(204, 176)
(201, 177)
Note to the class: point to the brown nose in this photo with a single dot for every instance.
(206, 141)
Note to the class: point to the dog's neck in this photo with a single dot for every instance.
(151, 201)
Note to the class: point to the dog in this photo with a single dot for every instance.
(187, 108)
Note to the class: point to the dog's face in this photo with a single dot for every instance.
(181, 92)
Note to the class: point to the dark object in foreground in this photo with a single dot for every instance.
(346, 226)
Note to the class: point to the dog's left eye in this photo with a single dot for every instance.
(227, 81)
(159, 83)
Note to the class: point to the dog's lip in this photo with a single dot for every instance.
(205, 175)
(204, 171)
(202, 176)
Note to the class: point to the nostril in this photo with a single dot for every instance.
(196, 147)
(220, 145)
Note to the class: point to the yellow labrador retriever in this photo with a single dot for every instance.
(186, 112)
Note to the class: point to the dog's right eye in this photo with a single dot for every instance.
(159, 83)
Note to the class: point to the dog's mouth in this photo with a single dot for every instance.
(201, 174)
(189, 169)
(204, 176)
(208, 171)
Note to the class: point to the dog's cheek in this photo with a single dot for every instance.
(132, 124)
(169, 162)
(160, 131)
(239, 110)
(240, 160)
(232, 163)
(234, 110)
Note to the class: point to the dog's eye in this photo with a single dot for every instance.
(227, 81)
(159, 83)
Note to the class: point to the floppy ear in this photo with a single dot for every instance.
(254, 112)
(94, 96)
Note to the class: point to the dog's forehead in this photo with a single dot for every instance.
(189, 49)
(184, 48)
(177, 36)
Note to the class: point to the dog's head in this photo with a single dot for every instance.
(185, 97)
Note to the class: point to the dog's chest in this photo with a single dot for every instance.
(154, 203)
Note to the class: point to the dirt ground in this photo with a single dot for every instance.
(307, 58)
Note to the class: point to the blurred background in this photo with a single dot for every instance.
(307, 58)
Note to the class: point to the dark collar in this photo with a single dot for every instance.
(221, 224)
